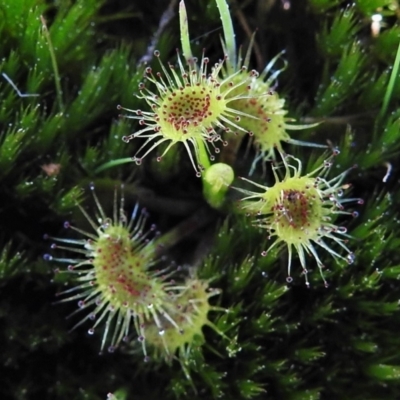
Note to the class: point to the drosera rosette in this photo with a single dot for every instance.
(263, 110)
(190, 106)
(117, 283)
(190, 310)
(300, 211)
(268, 121)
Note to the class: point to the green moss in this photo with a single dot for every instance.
(277, 341)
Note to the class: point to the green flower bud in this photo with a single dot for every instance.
(216, 181)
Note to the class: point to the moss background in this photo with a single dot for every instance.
(340, 342)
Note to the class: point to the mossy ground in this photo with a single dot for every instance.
(286, 342)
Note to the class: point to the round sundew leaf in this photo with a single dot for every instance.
(191, 106)
(299, 210)
(190, 311)
(116, 281)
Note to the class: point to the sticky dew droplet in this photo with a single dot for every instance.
(111, 349)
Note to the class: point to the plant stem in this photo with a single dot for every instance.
(203, 156)
(197, 220)
(229, 34)
(184, 28)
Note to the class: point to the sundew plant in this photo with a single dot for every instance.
(199, 199)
